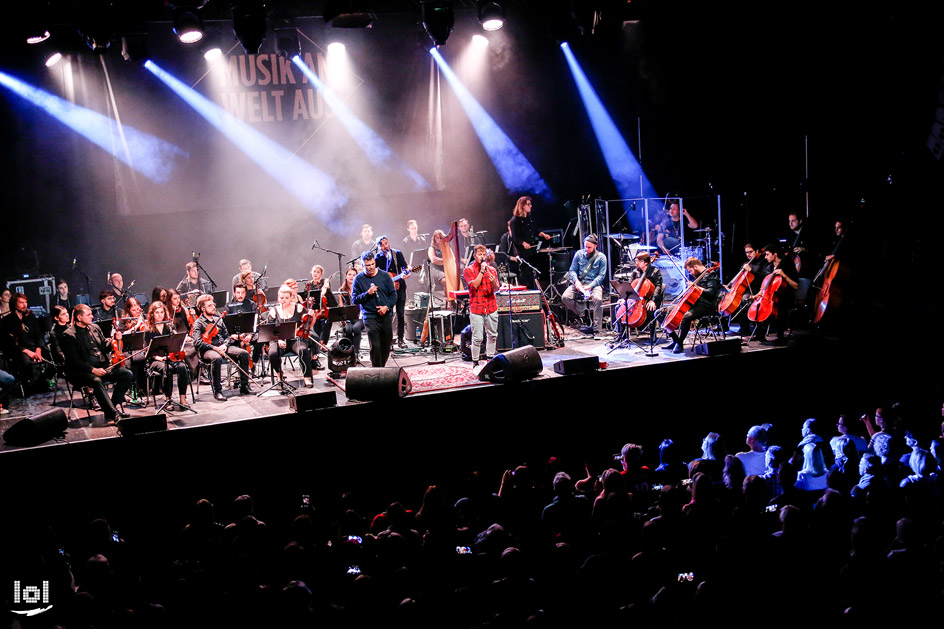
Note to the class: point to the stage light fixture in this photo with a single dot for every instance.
(491, 15)
(336, 48)
(53, 58)
(134, 47)
(249, 24)
(212, 51)
(287, 42)
(188, 27)
(438, 20)
(479, 41)
(37, 37)
(348, 14)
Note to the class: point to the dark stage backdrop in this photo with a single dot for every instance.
(713, 107)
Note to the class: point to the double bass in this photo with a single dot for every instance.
(829, 272)
(691, 295)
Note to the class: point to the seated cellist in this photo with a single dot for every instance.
(707, 303)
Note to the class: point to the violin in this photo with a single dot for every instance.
(691, 295)
(117, 357)
(741, 282)
(212, 331)
(308, 320)
(765, 303)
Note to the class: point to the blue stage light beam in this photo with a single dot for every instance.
(513, 167)
(315, 189)
(627, 174)
(377, 151)
(153, 157)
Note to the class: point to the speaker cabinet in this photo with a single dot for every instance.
(719, 348)
(528, 328)
(519, 364)
(583, 364)
(142, 425)
(313, 401)
(38, 429)
(376, 383)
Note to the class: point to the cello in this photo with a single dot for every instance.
(636, 316)
(765, 302)
(829, 272)
(741, 282)
(673, 320)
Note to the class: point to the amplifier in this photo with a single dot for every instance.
(528, 327)
(521, 301)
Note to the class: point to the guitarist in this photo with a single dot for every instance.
(707, 303)
(392, 261)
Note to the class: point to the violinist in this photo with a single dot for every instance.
(322, 327)
(182, 316)
(213, 342)
(132, 320)
(288, 309)
(63, 298)
(158, 324)
(707, 303)
(587, 274)
(243, 304)
(87, 356)
(786, 293)
(344, 299)
(644, 269)
(392, 261)
(253, 290)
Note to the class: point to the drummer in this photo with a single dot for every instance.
(669, 231)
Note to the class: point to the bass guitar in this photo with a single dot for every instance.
(396, 278)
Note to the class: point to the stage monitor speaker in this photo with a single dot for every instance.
(313, 401)
(142, 425)
(529, 328)
(38, 429)
(570, 366)
(376, 383)
(519, 364)
(719, 348)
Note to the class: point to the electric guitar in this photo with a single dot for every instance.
(396, 278)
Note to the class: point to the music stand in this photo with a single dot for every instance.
(275, 332)
(240, 322)
(626, 292)
(165, 346)
(220, 298)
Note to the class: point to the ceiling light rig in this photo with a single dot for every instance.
(187, 26)
(348, 14)
(491, 15)
(438, 20)
(249, 24)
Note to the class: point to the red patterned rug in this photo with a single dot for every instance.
(435, 377)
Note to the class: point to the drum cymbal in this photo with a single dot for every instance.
(556, 249)
(624, 236)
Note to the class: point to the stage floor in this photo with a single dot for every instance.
(455, 373)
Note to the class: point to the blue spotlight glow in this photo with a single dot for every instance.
(515, 170)
(316, 190)
(152, 157)
(624, 168)
(373, 146)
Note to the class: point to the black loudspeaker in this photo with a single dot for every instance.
(519, 364)
(313, 401)
(719, 348)
(529, 327)
(376, 383)
(570, 366)
(142, 425)
(38, 429)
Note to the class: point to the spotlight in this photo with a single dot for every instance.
(491, 15)
(335, 48)
(438, 20)
(210, 46)
(134, 47)
(188, 27)
(249, 24)
(348, 14)
(53, 59)
(479, 41)
(37, 37)
(287, 43)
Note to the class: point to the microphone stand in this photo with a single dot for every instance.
(429, 326)
(340, 255)
(88, 282)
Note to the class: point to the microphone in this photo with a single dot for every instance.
(314, 244)
(576, 229)
(73, 262)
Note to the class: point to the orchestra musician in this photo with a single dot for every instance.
(63, 298)
(759, 268)
(322, 327)
(786, 294)
(159, 324)
(482, 281)
(669, 231)
(707, 302)
(132, 317)
(87, 355)
(245, 266)
(241, 303)
(413, 241)
(645, 269)
(393, 263)
(374, 292)
(799, 242)
(61, 318)
(22, 342)
(524, 239)
(182, 316)
(508, 252)
(106, 309)
(364, 243)
(159, 293)
(5, 296)
(193, 285)
(116, 284)
(288, 309)
(345, 299)
(587, 274)
(213, 349)
(435, 254)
